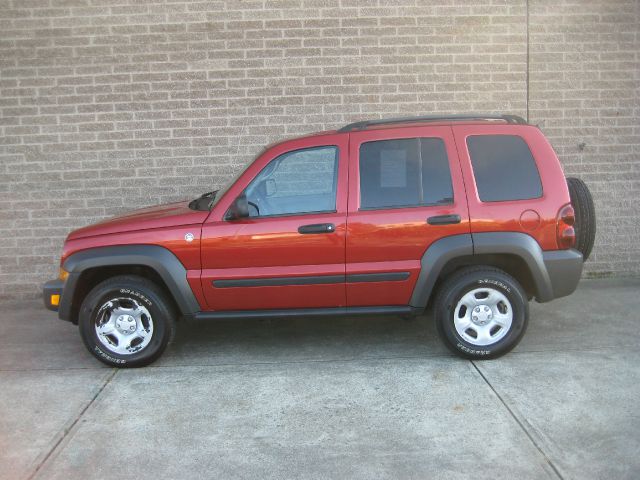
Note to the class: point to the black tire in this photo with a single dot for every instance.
(485, 278)
(130, 290)
(585, 226)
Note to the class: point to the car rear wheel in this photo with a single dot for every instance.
(481, 312)
(585, 226)
(126, 321)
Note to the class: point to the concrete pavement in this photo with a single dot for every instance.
(329, 398)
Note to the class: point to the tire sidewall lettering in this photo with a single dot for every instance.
(472, 351)
(494, 283)
(108, 357)
(135, 293)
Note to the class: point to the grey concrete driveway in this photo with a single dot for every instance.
(331, 398)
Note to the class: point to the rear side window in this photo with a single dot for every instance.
(504, 168)
(403, 173)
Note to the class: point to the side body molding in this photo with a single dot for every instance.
(432, 262)
(165, 264)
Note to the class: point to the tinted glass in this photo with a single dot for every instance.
(302, 181)
(504, 168)
(436, 177)
(404, 172)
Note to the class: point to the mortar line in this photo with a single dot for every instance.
(514, 416)
(527, 74)
(68, 430)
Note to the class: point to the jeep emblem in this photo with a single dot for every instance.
(188, 237)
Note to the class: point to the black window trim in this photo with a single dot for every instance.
(413, 205)
(335, 182)
(398, 207)
(473, 172)
(297, 214)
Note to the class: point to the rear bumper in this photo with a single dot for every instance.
(564, 269)
(52, 294)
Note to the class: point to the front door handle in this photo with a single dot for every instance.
(317, 228)
(443, 220)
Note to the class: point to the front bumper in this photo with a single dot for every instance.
(52, 294)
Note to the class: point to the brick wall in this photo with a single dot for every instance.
(109, 105)
(584, 92)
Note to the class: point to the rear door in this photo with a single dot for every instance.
(405, 192)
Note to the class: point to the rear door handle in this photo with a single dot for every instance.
(317, 228)
(443, 220)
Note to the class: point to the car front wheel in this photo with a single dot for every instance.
(126, 321)
(481, 312)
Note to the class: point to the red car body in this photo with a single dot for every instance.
(364, 241)
(378, 217)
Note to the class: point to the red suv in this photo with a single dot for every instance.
(471, 214)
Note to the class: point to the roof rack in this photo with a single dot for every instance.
(514, 119)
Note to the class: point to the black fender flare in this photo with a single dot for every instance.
(433, 260)
(520, 245)
(554, 273)
(158, 258)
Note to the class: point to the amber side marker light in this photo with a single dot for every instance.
(62, 274)
(55, 300)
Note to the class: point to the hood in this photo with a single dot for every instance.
(160, 216)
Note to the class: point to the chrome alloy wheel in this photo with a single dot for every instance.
(123, 326)
(483, 316)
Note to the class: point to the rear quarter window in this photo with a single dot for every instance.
(504, 168)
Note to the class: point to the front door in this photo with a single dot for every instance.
(405, 192)
(290, 252)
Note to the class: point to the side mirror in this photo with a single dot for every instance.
(238, 209)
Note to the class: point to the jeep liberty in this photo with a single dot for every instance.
(470, 215)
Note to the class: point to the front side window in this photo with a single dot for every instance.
(404, 173)
(504, 168)
(298, 182)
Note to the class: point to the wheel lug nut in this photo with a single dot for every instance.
(477, 309)
(475, 318)
(486, 309)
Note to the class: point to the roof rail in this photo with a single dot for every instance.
(515, 119)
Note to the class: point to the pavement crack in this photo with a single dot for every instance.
(68, 429)
(520, 423)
